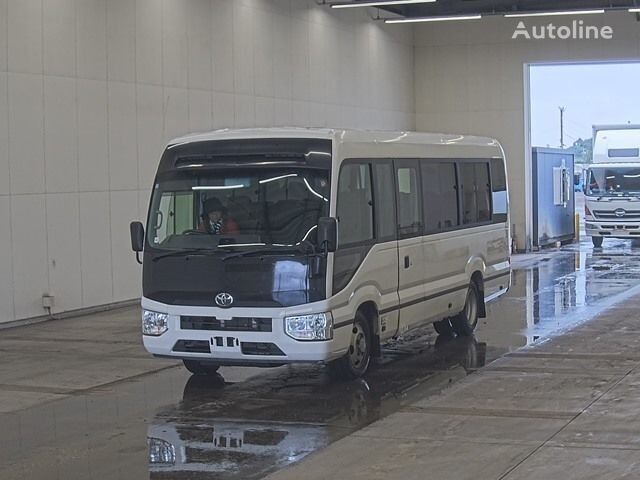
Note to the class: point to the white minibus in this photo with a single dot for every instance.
(270, 246)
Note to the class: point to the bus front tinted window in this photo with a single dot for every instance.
(195, 209)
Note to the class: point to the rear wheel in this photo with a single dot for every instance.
(358, 357)
(597, 241)
(465, 322)
(201, 368)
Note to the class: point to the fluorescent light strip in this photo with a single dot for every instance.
(553, 14)
(433, 19)
(634, 10)
(379, 4)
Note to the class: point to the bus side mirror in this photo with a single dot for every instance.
(137, 238)
(328, 234)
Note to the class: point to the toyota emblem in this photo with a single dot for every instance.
(224, 299)
(620, 212)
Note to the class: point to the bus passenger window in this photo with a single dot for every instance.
(483, 199)
(385, 201)
(469, 204)
(409, 211)
(476, 200)
(499, 190)
(440, 196)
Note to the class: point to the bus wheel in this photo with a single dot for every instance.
(444, 327)
(200, 368)
(597, 241)
(465, 322)
(358, 357)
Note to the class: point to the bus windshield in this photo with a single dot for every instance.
(208, 209)
(614, 181)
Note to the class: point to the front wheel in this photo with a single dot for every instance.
(597, 241)
(201, 368)
(444, 327)
(358, 357)
(465, 322)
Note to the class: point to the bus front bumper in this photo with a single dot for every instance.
(226, 346)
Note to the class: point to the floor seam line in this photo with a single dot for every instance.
(545, 442)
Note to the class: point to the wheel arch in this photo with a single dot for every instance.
(478, 279)
(370, 310)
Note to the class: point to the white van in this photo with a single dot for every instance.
(612, 184)
(270, 246)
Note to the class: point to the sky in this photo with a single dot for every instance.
(592, 94)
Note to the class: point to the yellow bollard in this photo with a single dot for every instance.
(577, 228)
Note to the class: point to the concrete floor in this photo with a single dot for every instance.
(554, 371)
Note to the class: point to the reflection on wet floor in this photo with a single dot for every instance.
(246, 423)
(247, 429)
(552, 292)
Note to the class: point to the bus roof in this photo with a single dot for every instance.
(342, 136)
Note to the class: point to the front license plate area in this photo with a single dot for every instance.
(225, 344)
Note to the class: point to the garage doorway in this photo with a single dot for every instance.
(564, 102)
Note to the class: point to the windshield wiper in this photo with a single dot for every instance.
(267, 250)
(191, 251)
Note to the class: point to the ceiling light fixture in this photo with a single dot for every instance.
(383, 3)
(634, 10)
(433, 19)
(553, 14)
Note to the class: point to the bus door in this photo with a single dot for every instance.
(386, 257)
(411, 262)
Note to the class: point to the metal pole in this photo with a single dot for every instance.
(562, 109)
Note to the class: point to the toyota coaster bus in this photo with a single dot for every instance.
(270, 246)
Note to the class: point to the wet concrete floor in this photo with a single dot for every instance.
(74, 405)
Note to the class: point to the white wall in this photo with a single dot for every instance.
(91, 89)
(469, 79)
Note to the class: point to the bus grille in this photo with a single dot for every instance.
(236, 324)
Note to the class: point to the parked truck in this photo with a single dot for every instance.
(612, 184)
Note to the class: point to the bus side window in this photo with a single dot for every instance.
(468, 192)
(385, 202)
(440, 193)
(355, 205)
(483, 192)
(409, 203)
(498, 190)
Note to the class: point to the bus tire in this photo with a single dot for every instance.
(443, 327)
(200, 368)
(356, 361)
(597, 241)
(465, 322)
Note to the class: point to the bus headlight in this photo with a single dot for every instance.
(154, 323)
(161, 452)
(318, 326)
